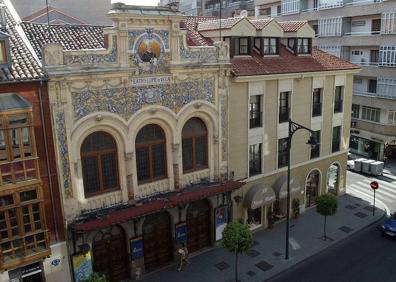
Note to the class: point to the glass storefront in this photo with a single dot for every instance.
(364, 147)
(254, 217)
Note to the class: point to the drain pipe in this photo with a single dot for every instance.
(47, 161)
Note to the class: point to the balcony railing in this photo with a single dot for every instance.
(255, 119)
(363, 63)
(338, 106)
(377, 95)
(317, 109)
(283, 114)
(375, 127)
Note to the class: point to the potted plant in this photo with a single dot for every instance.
(270, 218)
(296, 208)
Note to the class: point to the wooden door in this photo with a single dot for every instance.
(110, 257)
(198, 226)
(157, 241)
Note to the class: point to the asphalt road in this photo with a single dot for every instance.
(366, 256)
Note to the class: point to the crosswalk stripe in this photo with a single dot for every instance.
(387, 198)
(295, 245)
(382, 187)
(356, 192)
(387, 185)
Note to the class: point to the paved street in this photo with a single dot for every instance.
(366, 256)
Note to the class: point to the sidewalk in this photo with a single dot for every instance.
(390, 170)
(266, 258)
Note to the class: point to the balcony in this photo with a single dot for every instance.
(376, 95)
(316, 109)
(375, 127)
(255, 119)
(283, 114)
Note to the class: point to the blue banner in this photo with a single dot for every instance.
(136, 245)
(221, 219)
(181, 233)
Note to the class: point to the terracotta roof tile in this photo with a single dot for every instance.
(292, 26)
(72, 37)
(23, 66)
(215, 24)
(194, 38)
(259, 24)
(287, 62)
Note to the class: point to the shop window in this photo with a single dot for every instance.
(254, 217)
(99, 164)
(194, 145)
(255, 159)
(282, 152)
(150, 154)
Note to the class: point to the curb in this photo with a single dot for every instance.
(354, 234)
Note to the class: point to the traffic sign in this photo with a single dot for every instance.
(374, 185)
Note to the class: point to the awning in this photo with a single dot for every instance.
(258, 195)
(156, 205)
(280, 187)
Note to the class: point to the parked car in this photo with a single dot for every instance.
(389, 226)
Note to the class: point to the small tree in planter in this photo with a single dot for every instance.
(237, 238)
(296, 207)
(95, 277)
(326, 205)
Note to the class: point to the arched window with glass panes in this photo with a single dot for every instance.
(99, 164)
(194, 145)
(150, 154)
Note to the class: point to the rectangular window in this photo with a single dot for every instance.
(142, 163)
(284, 106)
(336, 140)
(257, 43)
(371, 114)
(255, 115)
(386, 87)
(376, 26)
(387, 56)
(355, 110)
(330, 26)
(315, 150)
(270, 46)
(290, 6)
(392, 117)
(282, 152)
(243, 46)
(303, 46)
(388, 23)
(372, 86)
(254, 159)
(291, 43)
(317, 102)
(339, 90)
(374, 56)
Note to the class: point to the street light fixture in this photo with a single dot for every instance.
(293, 127)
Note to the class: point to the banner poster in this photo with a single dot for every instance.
(82, 266)
(136, 245)
(181, 232)
(221, 219)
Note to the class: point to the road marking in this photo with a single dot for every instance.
(381, 190)
(378, 192)
(295, 245)
(367, 198)
(370, 194)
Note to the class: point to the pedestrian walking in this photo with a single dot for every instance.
(183, 252)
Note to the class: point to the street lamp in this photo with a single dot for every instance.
(293, 127)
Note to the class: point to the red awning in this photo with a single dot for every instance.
(155, 206)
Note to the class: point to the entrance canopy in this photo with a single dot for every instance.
(280, 187)
(259, 195)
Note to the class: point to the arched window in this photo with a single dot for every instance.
(195, 136)
(150, 154)
(99, 164)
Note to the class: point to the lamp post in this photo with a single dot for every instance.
(293, 127)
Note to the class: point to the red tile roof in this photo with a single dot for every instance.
(156, 205)
(214, 24)
(261, 23)
(292, 26)
(194, 38)
(287, 62)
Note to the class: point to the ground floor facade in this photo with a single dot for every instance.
(263, 200)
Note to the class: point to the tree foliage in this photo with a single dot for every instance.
(95, 277)
(326, 204)
(237, 237)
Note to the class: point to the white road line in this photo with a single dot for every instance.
(364, 196)
(295, 245)
(387, 185)
(381, 190)
(369, 193)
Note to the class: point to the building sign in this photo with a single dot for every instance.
(151, 80)
(221, 219)
(136, 245)
(82, 266)
(181, 232)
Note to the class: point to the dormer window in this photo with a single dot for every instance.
(270, 46)
(303, 46)
(243, 46)
(291, 42)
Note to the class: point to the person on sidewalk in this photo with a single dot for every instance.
(183, 252)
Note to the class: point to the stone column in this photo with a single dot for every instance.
(129, 174)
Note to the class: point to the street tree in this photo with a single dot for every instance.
(326, 205)
(237, 238)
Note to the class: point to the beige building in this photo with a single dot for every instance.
(362, 32)
(276, 74)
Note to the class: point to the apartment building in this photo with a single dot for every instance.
(32, 234)
(276, 74)
(364, 33)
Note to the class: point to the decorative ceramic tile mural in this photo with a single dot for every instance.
(125, 101)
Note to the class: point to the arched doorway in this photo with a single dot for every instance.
(198, 223)
(333, 176)
(157, 240)
(115, 264)
(312, 188)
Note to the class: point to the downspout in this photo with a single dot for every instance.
(47, 161)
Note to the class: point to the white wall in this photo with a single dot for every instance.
(363, 29)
